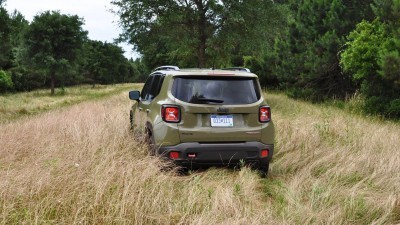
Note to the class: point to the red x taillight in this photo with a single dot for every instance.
(171, 113)
(265, 114)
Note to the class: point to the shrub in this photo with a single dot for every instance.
(394, 108)
(6, 83)
(375, 105)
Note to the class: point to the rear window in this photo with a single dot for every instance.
(206, 90)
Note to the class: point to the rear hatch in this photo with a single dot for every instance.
(218, 109)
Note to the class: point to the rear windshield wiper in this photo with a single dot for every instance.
(207, 100)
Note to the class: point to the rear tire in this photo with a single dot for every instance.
(131, 122)
(151, 144)
(263, 170)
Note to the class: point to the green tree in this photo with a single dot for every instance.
(140, 70)
(316, 35)
(105, 63)
(91, 65)
(361, 58)
(18, 25)
(196, 32)
(53, 45)
(373, 57)
(12, 26)
(388, 12)
(6, 56)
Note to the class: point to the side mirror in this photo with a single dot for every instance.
(134, 95)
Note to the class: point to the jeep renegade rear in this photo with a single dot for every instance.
(202, 118)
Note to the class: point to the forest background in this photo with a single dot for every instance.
(316, 50)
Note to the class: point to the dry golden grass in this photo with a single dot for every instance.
(14, 106)
(333, 167)
(81, 165)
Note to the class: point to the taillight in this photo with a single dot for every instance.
(264, 153)
(174, 155)
(265, 114)
(171, 113)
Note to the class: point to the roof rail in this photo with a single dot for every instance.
(166, 68)
(238, 69)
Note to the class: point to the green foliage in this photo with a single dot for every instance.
(394, 108)
(54, 44)
(140, 70)
(27, 80)
(197, 33)
(12, 27)
(362, 55)
(314, 49)
(372, 56)
(387, 11)
(51, 51)
(6, 83)
(5, 40)
(105, 63)
(262, 67)
(309, 67)
(18, 25)
(373, 105)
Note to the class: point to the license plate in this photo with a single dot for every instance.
(222, 120)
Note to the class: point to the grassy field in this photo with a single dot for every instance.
(81, 165)
(14, 106)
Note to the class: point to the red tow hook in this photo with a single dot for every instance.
(192, 155)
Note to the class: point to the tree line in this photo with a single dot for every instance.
(313, 49)
(54, 51)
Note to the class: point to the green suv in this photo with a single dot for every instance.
(205, 117)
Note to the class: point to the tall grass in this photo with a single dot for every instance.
(81, 165)
(334, 167)
(14, 106)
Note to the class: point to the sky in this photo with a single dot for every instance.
(101, 24)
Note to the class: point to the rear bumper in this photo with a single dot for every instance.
(194, 154)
